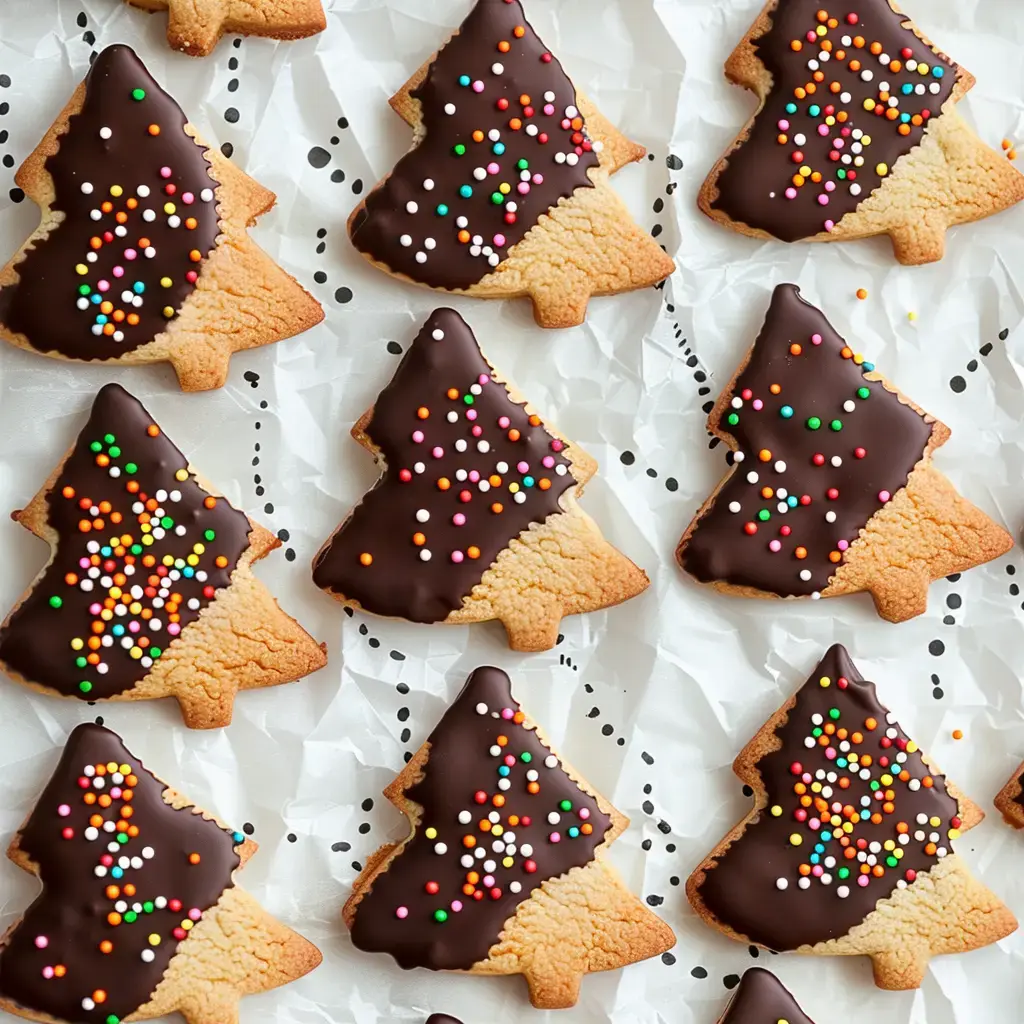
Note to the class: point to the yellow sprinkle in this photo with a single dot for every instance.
(869, 104)
(934, 821)
(154, 939)
(125, 769)
(912, 747)
(431, 833)
(81, 268)
(953, 833)
(165, 282)
(77, 644)
(198, 548)
(147, 539)
(111, 767)
(192, 559)
(911, 316)
(513, 487)
(135, 608)
(865, 140)
(824, 681)
(116, 190)
(886, 780)
(168, 312)
(889, 844)
(508, 862)
(496, 830)
(182, 474)
(881, 170)
(796, 839)
(776, 811)
(188, 924)
(169, 207)
(136, 653)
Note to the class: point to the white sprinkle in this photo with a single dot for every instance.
(483, 447)
(855, 189)
(842, 892)
(429, 243)
(554, 818)
(738, 457)
(440, 849)
(494, 135)
(830, 517)
(206, 195)
(526, 850)
(515, 887)
(412, 207)
(462, 222)
(421, 257)
(735, 506)
(87, 1003)
(551, 761)
(804, 883)
(423, 516)
(87, 188)
(449, 108)
(465, 817)
(737, 402)
(752, 477)
(82, 303)
(837, 461)
(866, 75)
(174, 221)
(149, 216)
(781, 884)
(148, 955)
(424, 555)
(572, 159)
(105, 132)
(497, 68)
(428, 184)
(780, 467)
(438, 335)
(95, 215)
(805, 574)
(481, 708)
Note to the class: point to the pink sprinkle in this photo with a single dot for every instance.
(548, 462)
(503, 421)
(845, 132)
(884, 496)
(823, 199)
(194, 914)
(508, 714)
(187, 198)
(42, 942)
(523, 188)
(459, 519)
(174, 628)
(477, 430)
(817, 871)
(806, 779)
(549, 109)
(830, 186)
(863, 880)
(106, 860)
(118, 271)
(437, 452)
(557, 445)
(83, 563)
(510, 760)
(791, 193)
(838, 143)
(64, 810)
(478, 86)
(133, 627)
(555, 837)
(830, 225)
(493, 168)
(566, 123)
(417, 437)
(815, 339)
(583, 813)
(47, 973)
(130, 254)
(456, 905)
(775, 545)
(488, 880)
(812, 37)
(815, 823)
(95, 609)
(471, 414)
(483, 379)
(499, 240)
(842, 544)
(103, 285)
(165, 172)
(757, 404)
(192, 276)
(179, 933)
(523, 467)
(830, 753)
(457, 556)
(474, 476)
(783, 125)
(402, 913)
(823, 129)
(115, 793)
(538, 179)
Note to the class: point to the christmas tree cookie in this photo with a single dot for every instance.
(831, 489)
(1010, 800)
(856, 134)
(143, 236)
(195, 26)
(504, 870)
(475, 515)
(848, 850)
(762, 999)
(505, 192)
(139, 915)
(149, 591)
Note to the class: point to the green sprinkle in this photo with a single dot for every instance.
(122, 838)
(109, 439)
(210, 535)
(863, 393)
(130, 467)
(566, 805)
(468, 399)
(81, 662)
(497, 198)
(95, 446)
(440, 916)
(166, 522)
(843, 872)
(460, 150)
(891, 861)
(84, 289)
(131, 917)
(148, 907)
(56, 602)
(112, 1019)
(155, 652)
(526, 757)
(732, 419)
(814, 423)
(836, 425)
(85, 686)
(114, 452)
(523, 164)
(764, 515)
(138, 94)
(136, 549)
(816, 731)
(833, 713)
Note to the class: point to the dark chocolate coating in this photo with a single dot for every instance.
(71, 913)
(36, 641)
(398, 582)
(752, 185)
(460, 766)
(442, 1018)
(762, 999)
(43, 304)
(473, 52)
(816, 383)
(740, 890)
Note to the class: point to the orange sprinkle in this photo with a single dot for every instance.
(59, 971)
(958, 734)
(419, 539)
(862, 293)
(498, 800)
(114, 918)
(801, 552)
(193, 858)
(775, 389)
(153, 430)
(209, 502)
(497, 508)
(474, 552)
(464, 237)
(534, 788)
(191, 223)
(519, 31)
(129, 889)
(764, 455)
(469, 842)
(515, 124)
(514, 435)
(544, 483)
(423, 412)
(154, 129)
(795, 349)
(504, 46)
(443, 484)
(796, 45)
(366, 558)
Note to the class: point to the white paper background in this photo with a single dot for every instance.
(680, 678)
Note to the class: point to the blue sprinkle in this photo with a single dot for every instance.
(188, 572)
(101, 318)
(116, 872)
(818, 848)
(938, 72)
(528, 481)
(118, 630)
(791, 501)
(464, 80)
(907, 89)
(791, 108)
(865, 814)
(841, 761)
(905, 118)
(498, 148)
(786, 412)
(238, 837)
(868, 367)
(95, 298)
(465, 191)
(504, 770)
(138, 287)
(814, 858)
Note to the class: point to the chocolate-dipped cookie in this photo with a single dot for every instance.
(475, 515)
(149, 591)
(831, 488)
(856, 134)
(505, 192)
(143, 236)
(195, 26)
(762, 999)
(139, 915)
(1010, 799)
(848, 850)
(504, 870)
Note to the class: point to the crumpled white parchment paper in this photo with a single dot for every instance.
(652, 700)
